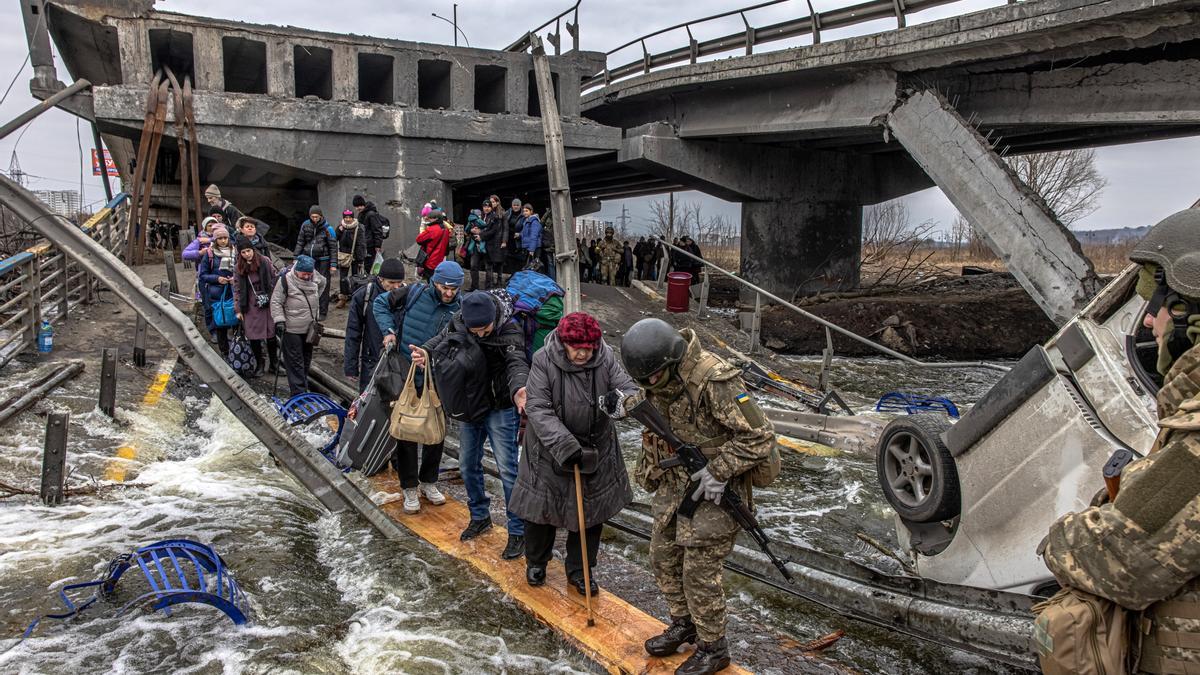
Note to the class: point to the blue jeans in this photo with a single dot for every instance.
(500, 427)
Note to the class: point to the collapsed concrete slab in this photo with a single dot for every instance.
(1017, 224)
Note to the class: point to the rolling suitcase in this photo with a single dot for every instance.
(365, 444)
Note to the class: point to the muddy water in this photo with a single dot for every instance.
(328, 594)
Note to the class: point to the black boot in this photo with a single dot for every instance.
(515, 547)
(681, 631)
(536, 576)
(576, 580)
(476, 528)
(709, 657)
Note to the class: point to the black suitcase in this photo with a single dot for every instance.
(366, 444)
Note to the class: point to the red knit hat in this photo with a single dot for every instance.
(579, 329)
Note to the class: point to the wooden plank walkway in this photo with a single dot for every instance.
(615, 642)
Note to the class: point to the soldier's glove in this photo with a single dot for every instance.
(710, 488)
(613, 404)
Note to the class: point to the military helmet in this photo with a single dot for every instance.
(609, 230)
(1174, 245)
(649, 346)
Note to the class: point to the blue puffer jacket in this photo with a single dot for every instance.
(531, 233)
(425, 316)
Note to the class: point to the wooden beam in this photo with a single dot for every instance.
(615, 642)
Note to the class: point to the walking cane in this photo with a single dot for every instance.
(587, 574)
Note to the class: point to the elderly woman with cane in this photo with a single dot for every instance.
(571, 455)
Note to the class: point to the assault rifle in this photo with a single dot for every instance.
(1112, 471)
(692, 459)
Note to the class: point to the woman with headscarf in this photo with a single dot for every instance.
(567, 428)
(215, 274)
(254, 280)
(352, 251)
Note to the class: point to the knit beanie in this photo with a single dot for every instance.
(242, 242)
(478, 310)
(359, 200)
(220, 231)
(426, 209)
(317, 210)
(392, 269)
(579, 329)
(347, 213)
(304, 264)
(204, 223)
(212, 191)
(448, 273)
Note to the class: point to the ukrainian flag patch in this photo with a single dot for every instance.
(742, 397)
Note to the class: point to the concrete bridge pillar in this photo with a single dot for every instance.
(801, 243)
(399, 199)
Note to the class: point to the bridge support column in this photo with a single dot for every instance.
(801, 243)
(1035, 246)
(399, 199)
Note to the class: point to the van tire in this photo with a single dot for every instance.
(917, 473)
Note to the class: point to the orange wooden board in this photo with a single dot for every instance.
(615, 642)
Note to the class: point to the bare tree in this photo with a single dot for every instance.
(665, 222)
(893, 247)
(1068, 180)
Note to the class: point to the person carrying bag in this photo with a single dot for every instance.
(417, 417)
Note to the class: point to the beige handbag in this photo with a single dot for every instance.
(418, 418)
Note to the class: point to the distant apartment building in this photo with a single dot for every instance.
(591, 228)
(65, 203)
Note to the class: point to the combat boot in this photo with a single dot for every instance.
(709, 657)
(681, 631)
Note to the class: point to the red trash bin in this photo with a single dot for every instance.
(678, 298)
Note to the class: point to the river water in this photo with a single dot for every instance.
(328, 594)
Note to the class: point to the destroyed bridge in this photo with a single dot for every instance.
(802, 137)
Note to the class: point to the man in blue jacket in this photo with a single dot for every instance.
(413, 315)
(364, 338)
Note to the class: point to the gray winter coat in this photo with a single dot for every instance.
(562, 409)
(299, 305)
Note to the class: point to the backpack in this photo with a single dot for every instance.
(1078, 633)
(537, 307)
(457, 364)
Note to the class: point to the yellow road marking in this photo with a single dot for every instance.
(118, 466)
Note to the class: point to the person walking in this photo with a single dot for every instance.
(294, 305)
(495, 236)
(317, 241)
(531, 233)
(705, 403)
(477, 256)
(364, 337)
(376, 227)
(254, 281)
(229, 213)
(215, 274)
(352, 252)
(434, 240)
(487, 322)
(256, 231)
(411, 315)
(567, 428)
(610, 257)
(514, 220)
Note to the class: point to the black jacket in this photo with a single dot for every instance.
(315, 241)
(494, 234)
(369, 218)
(364, 339)
(348, 243)
(504, 349)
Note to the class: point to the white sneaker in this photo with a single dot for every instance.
(412, 501)
(431, 493)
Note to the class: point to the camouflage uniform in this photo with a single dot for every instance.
(610, 259)
(1143, 550)
(708, 406)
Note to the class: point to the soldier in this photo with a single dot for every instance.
(1142, 550)
(702, 398)
(610, 257)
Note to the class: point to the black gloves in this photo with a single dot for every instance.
(279, 329)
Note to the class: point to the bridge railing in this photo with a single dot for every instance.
(555, 37)
(751, 36)
(756, 323)
(42, 283)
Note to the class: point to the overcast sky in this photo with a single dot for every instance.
(1147, 181)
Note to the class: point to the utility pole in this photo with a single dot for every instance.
(623, 218)
(560, 187)
(670, 216)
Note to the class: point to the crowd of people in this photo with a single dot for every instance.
(616, 263)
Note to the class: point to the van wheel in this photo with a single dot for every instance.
(916, 470)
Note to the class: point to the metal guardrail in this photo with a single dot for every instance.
(760, 293)
(751, 36)
(43, 283)
(554, 38)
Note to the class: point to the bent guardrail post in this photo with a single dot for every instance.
(108, 382)
(295, 454)
(54, 460)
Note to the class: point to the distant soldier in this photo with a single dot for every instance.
(610, 257)
(704, 401)
(1142, 550)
